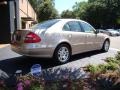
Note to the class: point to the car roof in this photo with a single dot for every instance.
(70, 20)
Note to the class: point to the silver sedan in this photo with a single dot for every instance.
(59, 38)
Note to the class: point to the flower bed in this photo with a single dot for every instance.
(102, 77)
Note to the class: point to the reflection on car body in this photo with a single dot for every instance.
(59, 38)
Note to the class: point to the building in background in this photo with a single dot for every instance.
(27, 14)
(15, 14)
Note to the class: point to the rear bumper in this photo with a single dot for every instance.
(36, 52)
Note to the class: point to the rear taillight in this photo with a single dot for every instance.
(32, 38)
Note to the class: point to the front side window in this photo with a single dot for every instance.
(74, 26)
(87, 27)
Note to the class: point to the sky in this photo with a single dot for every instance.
(62, 5)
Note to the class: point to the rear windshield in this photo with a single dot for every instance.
(45, 24)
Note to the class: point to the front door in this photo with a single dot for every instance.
(93, 41)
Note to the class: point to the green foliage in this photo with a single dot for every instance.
(112, 60)
(36, 87)
(118, 56)
(100, 13)
(113, 64)
(79, 9)
(52, 85)
(102, 68)
(45, 9)
(35, 4)
(67, 14)
(93, 69)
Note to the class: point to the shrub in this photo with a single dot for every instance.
(111, 66)
(118, 56)
(102, 68)
(111, 59)
(91, 69)
(97, 69)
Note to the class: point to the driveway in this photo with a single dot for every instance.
(115, 42)
(10, 62)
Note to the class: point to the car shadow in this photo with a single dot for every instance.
(24, 63)
(86, 54)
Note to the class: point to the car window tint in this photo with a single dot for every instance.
(75, 26)
(87, 27)
(66, 27)
(45, 24)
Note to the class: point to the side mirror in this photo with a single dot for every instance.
(96, 31)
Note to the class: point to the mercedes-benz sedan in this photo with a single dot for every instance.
(59, 38)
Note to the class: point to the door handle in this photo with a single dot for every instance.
(69, 36)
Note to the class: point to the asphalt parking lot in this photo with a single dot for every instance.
(10, 61)
(115, 42)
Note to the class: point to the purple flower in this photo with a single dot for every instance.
(20, 86)
(27, 82)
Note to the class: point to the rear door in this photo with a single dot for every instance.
(76, 36)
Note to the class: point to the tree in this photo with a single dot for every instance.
(106, 11)
(45, 9)
(79, 9)
(67, 14)
(35, 4)
(100, 13)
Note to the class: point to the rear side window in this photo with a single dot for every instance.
(66, 27)
(45, 24)
(75, 26)
(72, 26)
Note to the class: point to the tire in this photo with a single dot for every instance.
(62, 54)
(106, 46)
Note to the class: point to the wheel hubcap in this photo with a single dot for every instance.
(106, 46)
(63, 54)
